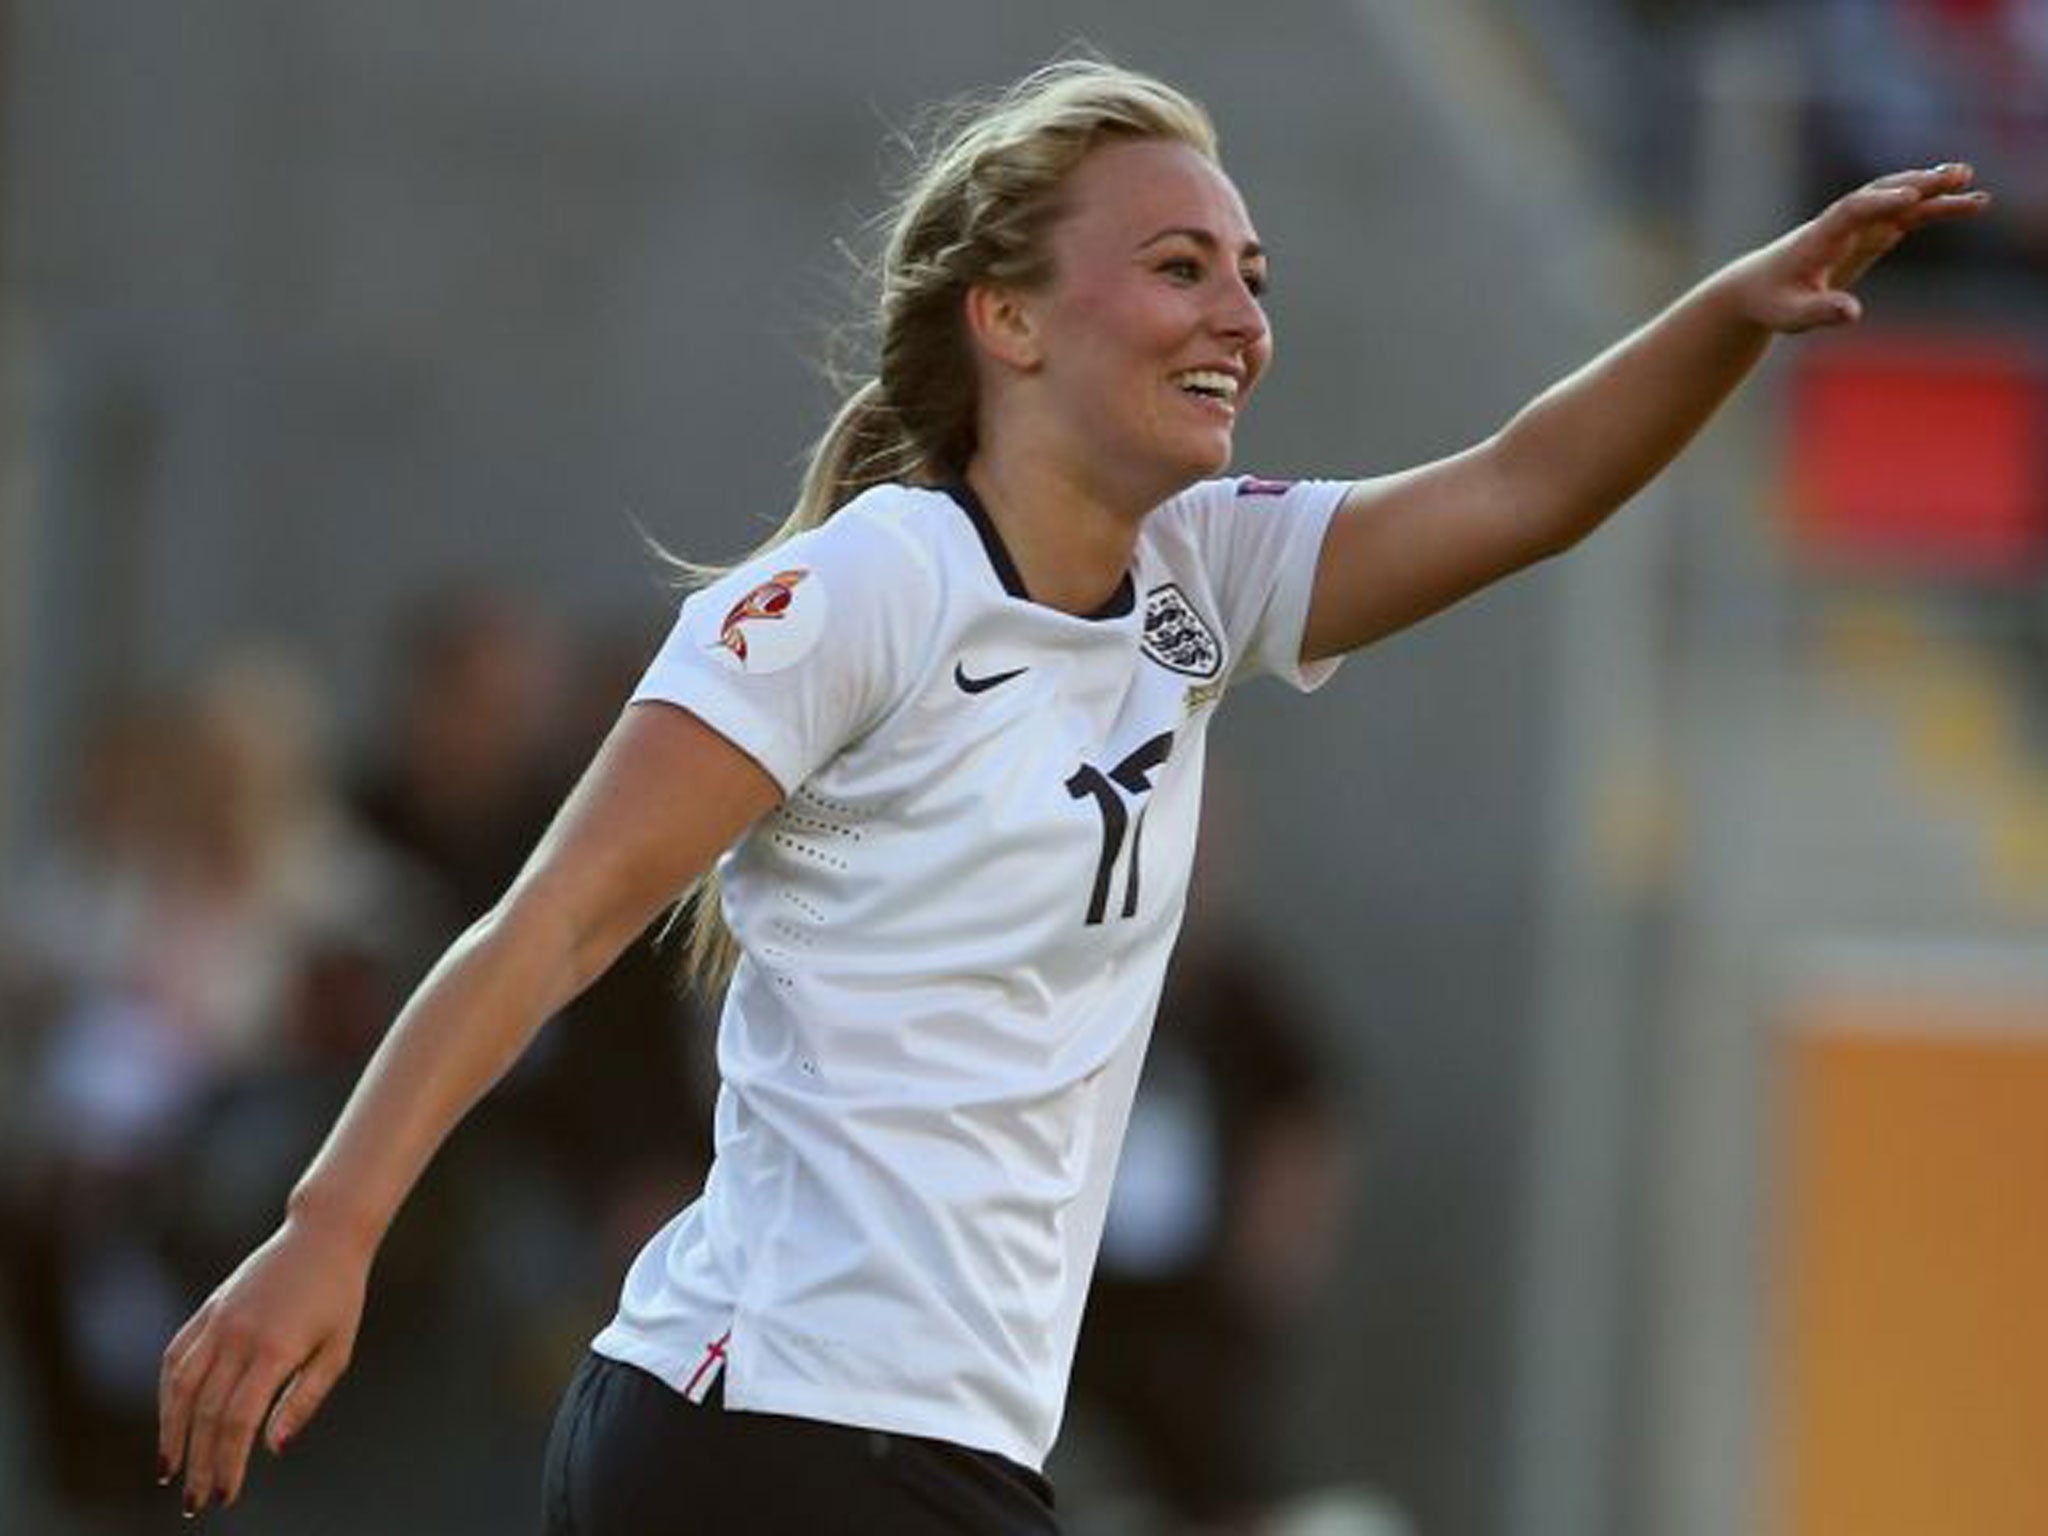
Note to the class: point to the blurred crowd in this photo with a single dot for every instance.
(202, 953)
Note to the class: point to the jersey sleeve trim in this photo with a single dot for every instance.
(750, 730)
(1288, 626)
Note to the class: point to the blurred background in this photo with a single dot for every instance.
(1608, 1089)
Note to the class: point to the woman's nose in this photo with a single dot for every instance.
(1240, 314)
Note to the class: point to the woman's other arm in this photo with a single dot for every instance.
(664, 795)
(1407, 545)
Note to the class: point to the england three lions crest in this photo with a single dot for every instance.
(1177, 637)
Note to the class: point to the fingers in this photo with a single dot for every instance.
(1829, 255)
(216, 1400)
(216, 1404)
(1915, 197)
(303, 1395)
(234, 1431)
(178, 1381)
(1953, 176)
(1958, 205)
(1944, 192)
(218, 1390)
(1850, 220)
(287, 1318)
(1909, 199)
(1820, 310)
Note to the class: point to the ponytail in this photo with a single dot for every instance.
(864, 446)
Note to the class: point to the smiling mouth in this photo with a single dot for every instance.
(1214, 394)
(1209, 384)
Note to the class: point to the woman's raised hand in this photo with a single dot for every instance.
(261, 1354)
(1801, 281)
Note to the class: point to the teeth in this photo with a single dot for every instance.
(1209, 382)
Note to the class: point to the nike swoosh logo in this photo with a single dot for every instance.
(983, 684)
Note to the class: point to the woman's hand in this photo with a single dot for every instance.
(268, 1345)
(1801, 282)
(1404, 546)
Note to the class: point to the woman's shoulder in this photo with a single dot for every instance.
(1234, 506)
(1192, 513)
(885, 523)
(1226, 494)
(896, 510)
(874, 554)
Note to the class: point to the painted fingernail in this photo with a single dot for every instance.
(163, 1470)
(191, 1505)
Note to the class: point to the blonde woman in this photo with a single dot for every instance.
(944, 738)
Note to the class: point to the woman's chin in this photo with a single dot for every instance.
(1216, 459)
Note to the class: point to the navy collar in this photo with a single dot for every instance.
(1120, 602)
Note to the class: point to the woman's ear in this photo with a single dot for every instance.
(1002, 324)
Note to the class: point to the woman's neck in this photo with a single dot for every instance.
(1072, 545)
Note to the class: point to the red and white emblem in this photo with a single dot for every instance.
(774, 624)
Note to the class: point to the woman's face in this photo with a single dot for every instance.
(1151, 335)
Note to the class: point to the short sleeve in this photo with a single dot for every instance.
(802, 650)
(1259, 541)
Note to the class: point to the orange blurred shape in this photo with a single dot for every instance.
(1922, 454)
(1911, 1336)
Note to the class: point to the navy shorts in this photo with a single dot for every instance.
(631, 1456)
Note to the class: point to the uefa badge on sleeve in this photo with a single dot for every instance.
(774, 625)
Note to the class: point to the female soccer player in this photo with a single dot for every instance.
(947, 732)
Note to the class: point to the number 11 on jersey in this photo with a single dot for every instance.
(1130, 777)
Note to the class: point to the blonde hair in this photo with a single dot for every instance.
(976, 209)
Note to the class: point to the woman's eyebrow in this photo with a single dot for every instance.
(1201, 237)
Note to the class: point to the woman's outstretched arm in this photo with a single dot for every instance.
(1407, 545)
(664, 795)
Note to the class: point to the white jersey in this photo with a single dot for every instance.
(955, 928)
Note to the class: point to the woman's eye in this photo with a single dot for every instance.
(1186, 269)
